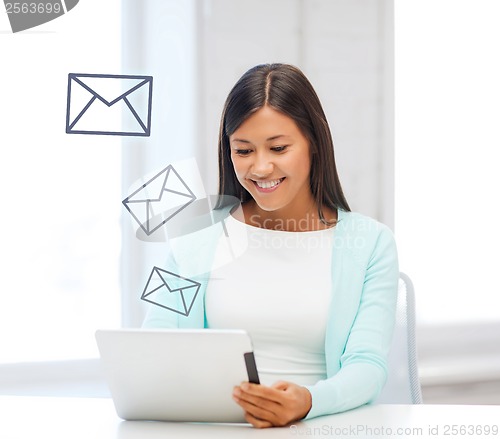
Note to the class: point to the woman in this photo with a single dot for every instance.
(316, 284)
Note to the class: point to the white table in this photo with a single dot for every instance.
(24, 417)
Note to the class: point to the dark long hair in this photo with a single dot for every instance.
(286, 89)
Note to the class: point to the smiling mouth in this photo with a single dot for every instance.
(269, 184)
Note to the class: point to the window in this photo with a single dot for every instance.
(61, 194)
(446, 115)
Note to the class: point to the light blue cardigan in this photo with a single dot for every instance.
(365, 277)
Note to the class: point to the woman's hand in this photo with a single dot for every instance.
(273, 406)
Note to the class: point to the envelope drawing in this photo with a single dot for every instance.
(117, 105)
(159, 199)
(164, 289)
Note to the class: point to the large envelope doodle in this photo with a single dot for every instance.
(170, 291)
(117, 105)
(159, 199)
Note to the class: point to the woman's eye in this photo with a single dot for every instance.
(242, 151)
(279, 148)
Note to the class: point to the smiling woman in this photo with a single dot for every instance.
(273, 168)
(263, 106)
(316, 285)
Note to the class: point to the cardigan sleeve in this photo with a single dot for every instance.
(363, 363)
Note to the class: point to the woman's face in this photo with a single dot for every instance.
(271, 159)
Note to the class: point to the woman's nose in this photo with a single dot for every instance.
(262, 166)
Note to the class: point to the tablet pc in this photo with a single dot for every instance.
(176, 374)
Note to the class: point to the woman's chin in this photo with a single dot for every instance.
(267, 207)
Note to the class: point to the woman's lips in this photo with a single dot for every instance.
(267, 185)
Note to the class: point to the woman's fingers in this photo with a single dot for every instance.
(265, 392)
(258, 423)
(258, 406)
(277, 405)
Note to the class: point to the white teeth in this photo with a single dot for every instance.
(268, 184)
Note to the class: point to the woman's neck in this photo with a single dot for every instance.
(305, 219)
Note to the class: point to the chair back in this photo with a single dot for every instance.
(403, 384)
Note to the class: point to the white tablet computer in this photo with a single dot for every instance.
(176, 374)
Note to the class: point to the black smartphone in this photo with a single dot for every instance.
(253, 375)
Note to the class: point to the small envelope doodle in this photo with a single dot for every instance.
(164, 289)
(117, 105)
(159, 199)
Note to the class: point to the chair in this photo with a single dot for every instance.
(403, 384)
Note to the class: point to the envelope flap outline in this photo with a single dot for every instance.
(80, 79)
(176, 187)
(160, 281)
(175, 282)
(141, 195)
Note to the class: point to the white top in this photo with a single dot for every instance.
(278, 289)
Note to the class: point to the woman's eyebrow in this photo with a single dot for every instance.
(240, 140)
(276, 137)
(267, 140)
